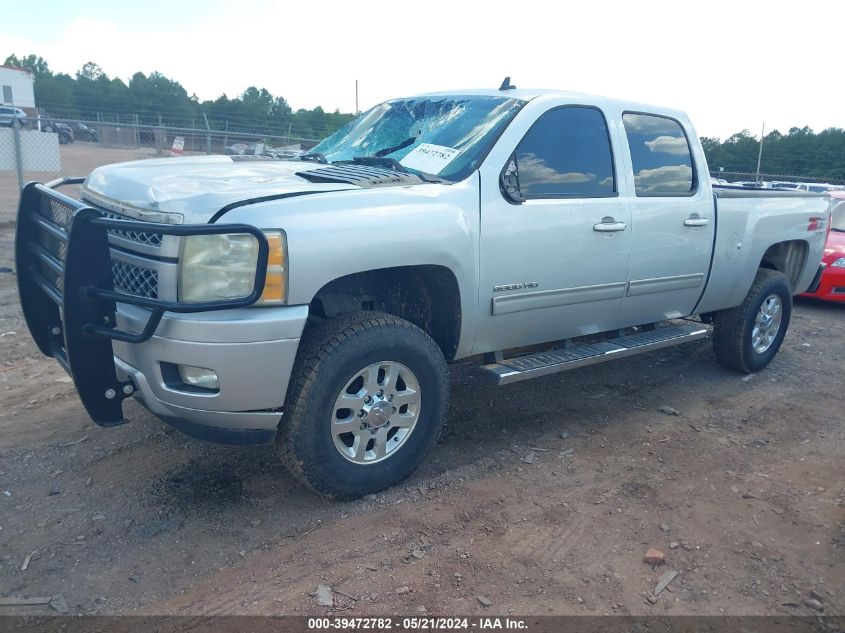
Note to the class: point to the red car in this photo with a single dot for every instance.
(832, 283)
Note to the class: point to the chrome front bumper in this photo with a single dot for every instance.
(70, 284)
(252, 350)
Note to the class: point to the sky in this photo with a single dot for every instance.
(729, 65)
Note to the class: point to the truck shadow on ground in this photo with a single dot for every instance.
(484, 420)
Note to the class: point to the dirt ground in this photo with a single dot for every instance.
(542, 497)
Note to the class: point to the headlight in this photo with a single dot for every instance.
(217, 267)
(839, 263)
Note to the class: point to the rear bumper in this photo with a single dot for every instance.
(251, 350)
(831, 286)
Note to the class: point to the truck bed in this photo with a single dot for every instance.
(727, 191)
(747, 221)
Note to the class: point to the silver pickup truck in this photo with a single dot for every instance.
(315, 302)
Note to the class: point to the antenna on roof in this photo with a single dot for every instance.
(506, 84)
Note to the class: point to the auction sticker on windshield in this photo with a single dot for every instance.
(432, 159)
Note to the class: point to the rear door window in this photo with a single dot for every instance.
(660, 155)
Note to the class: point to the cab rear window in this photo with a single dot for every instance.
(660, 155)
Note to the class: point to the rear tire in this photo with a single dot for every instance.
(366, 403)
(748, 337)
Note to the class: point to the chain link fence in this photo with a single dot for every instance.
(45, 149)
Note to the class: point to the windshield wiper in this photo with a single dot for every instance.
(395, 148)
(315, 157)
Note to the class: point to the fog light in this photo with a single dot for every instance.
(199, 377)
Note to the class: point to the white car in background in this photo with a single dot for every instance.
(750, 184)
(817, 187)
(9, 114)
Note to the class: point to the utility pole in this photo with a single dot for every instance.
(207, 134)
(356, 97)
(16, 133)
(760, 152)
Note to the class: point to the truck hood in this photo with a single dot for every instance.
(193, 189)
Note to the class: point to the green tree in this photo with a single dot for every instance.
(801, 153)
(91, 92)
(36, 65)
(90, 71)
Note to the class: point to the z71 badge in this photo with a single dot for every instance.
(519, 286)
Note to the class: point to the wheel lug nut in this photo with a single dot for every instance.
(361, 414)
(381, 392)
(390, 398)
(368, 399)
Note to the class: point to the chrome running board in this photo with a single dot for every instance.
(520, 368)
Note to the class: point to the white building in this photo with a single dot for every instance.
(21, 82)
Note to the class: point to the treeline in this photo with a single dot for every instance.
(800, 152)
(155, 98)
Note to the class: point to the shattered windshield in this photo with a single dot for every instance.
(444, 136)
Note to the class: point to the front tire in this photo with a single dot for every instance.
(748, 337)
(366, 402)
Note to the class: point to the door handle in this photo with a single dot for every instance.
(696, 220)
(609, 225)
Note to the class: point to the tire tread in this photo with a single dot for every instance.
(730, 334)
(316, 348)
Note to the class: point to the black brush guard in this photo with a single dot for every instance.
(67, 291)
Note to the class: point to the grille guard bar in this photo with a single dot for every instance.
(66, 287)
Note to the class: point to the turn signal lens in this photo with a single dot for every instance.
(276, 257)
(275, 288)
(276, 280)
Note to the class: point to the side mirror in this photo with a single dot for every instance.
(509, 182)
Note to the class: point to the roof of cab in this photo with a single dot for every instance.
(527, 94)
